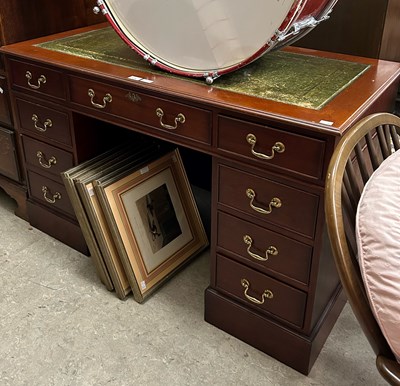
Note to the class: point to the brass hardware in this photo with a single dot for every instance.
(180, 118)
(46, 124)
(41, 80)
(56, 195)
(106, 99)
(267, 294)
(273, 251)
(274, 203)
(42, 160)
(279, 147)
(133, 97)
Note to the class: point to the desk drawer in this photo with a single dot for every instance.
(263, 249)
(49, 123)
(169, 117)
(249, 286)
(46, 157)
(282, 205)
(38, 79)
(49, 193)
(300, 154)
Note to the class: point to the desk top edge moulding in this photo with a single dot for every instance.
(269, 159)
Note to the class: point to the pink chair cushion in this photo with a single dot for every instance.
(378, 241)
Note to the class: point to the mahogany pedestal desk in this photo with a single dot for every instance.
(273, 281)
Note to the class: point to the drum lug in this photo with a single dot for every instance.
(100, 7)
(148, 58)
(309, 22)
(211, 76)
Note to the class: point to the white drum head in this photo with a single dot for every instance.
(198, 37)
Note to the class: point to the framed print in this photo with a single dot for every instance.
(102, 164)
(120, 165)
(105, 240)
(69, 178)
(154, 220)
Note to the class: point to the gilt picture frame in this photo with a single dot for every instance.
(118, 166)
(154, 220)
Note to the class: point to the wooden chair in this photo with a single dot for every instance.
(359, 152)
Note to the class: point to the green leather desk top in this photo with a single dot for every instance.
(302, 80)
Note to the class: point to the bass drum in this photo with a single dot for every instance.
(208, 38)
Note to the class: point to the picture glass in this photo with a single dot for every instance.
(157, 218)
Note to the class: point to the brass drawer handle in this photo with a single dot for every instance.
(41, 80)
(267, 294)
(42, 160)
(46, 124)
(279, 147)
(106, 99)
(273, 251)
(180, 118)
(56, 195)
(274, 203)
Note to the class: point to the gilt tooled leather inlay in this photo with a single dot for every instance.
(302, 80)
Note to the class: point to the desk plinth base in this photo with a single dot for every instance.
(56, 226)
(17, 192)
(293, 349)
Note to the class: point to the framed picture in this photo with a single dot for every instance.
(118, 166)
(154, 220)
(69, 178)
(122, 157)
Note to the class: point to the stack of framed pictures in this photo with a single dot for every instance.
(138, 215)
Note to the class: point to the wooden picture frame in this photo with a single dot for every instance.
(117, 167)
(117, 158)
(154, 220)
(69, 178)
